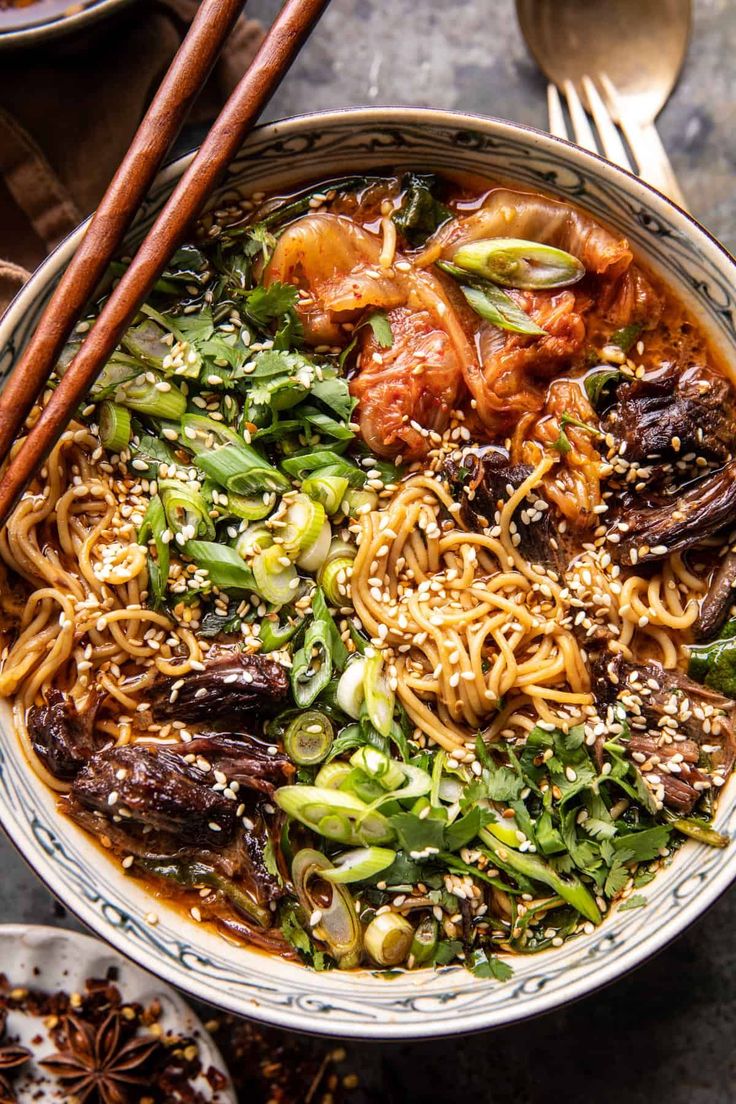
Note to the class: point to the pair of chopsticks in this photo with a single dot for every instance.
(187, 74)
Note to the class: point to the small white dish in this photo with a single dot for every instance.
(53, 959)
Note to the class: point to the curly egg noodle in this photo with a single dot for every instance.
(480, 638)
(83, 626)
(477, 638)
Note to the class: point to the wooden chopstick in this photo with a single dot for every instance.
(161, 124)
(273, 60)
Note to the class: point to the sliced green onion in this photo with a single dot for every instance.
(308, 738)
(357, 502)
(154, 526)
(334, 578)
(491, 303)
(324, 459)
(367, 789)
(228, 459)
(115, 431)
(311, 667)
(703, 833)
(241, 469)
(250, 508)
(388, 939)
(275, 634)
(255, 480)
(330, 907)
(275, 575)
(336, 815)
(327, 488)
(379, 766)
(512, 262)
(312, 558)
(119, 369)
(253, 540)
(350, 693)
(203, 434)
(151, 394)
(569, 886)
(416, 783)
(332, 775)
(424, 943)
(186, 510)
(379, 697)
(304, 521)
(356, 866)
(224, 566)
(195, 875)
(145, 341)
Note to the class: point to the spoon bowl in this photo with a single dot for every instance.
(639, 44)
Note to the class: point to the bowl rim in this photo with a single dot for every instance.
(56, 26)
(387, 1029)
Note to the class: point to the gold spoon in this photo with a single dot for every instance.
(634, 48)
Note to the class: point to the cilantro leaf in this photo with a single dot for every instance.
(502, 784)
(335, 393)
(599, 829)
(416, 835)
(618, 875)
(266, 304)
(462, 831)
(643, 845)
(381, 327)
(297, 936)
(637, 901)
(446, 951)
(481, 965)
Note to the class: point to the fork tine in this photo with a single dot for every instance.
(608, 136)
(581, 127)
(557, 124)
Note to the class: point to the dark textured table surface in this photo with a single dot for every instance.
(666, 1031)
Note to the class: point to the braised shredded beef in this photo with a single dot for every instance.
(62, 738)
(232, 685)
(673, 413)
(243, 758)
(485, 478)
(658, 690)
(717, 601)
(157, 788)
(652, 528)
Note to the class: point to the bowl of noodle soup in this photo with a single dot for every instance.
(475, 466)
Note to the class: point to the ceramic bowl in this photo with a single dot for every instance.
(426, 1003)
(34, 24)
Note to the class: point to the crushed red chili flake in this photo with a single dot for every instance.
(269, 1066)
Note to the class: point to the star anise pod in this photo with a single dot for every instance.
(96, 1066)
(12, 1057)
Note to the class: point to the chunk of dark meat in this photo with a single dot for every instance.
(62, 737)
(231, 685)
(652, 529)
(483, 478)
(695, 409)
(715, 605)
(652, 694)
(156, 788)
(242, 758)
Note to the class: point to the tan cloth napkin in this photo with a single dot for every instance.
(68, 112)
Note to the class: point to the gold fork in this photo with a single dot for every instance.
(645, 155)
